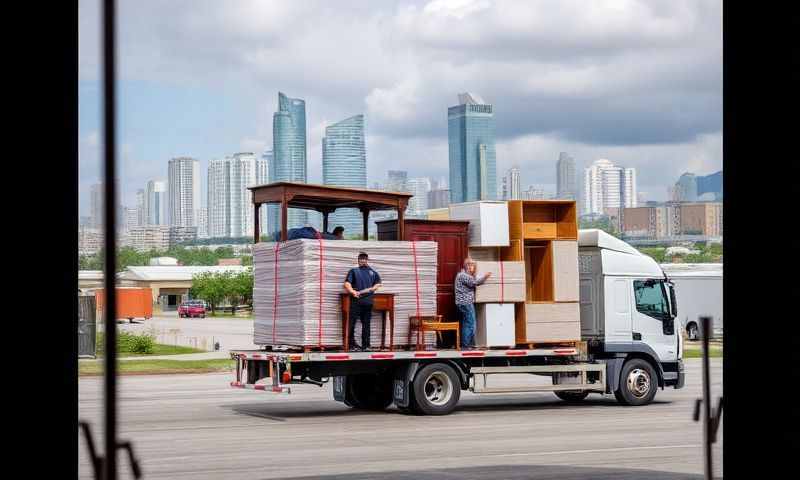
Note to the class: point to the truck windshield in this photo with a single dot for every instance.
(650, 298)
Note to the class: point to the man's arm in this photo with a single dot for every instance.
(348, 286)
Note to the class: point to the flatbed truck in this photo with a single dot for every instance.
(630, 347)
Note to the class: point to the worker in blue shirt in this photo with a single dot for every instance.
(361, 283)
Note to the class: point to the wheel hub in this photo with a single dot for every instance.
(638, 382)
(438, 388)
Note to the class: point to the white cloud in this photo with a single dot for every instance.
(637, 81)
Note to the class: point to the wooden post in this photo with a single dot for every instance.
(284, 219)
(325, 221)
(365, 215)
(256, 223)
(401, 229)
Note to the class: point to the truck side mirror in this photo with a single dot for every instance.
(673, 303)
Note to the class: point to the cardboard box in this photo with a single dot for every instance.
(494, 325)
(551, 322)
(488, 222)
(506, 286)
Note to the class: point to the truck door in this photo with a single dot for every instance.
(618, 322)
(652, 321)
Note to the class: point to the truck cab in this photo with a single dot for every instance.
(628, 310)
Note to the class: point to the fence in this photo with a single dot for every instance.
(87, 326)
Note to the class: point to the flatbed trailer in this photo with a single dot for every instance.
(422, 381)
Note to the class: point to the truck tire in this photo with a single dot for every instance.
(572, 395)
(437, 389)
(369, 392)
(638, 383)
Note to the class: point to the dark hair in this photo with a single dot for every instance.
(338, 229)
(363, 255)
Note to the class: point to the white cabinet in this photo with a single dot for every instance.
(494, 325)
(488, 222)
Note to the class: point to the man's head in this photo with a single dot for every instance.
(363, 259)
(469, 265)
(338, 232)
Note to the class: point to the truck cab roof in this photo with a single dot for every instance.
(618, 258)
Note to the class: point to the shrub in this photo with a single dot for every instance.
(129, 343)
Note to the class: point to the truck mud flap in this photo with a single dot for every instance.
(339, 388)
(402, 384)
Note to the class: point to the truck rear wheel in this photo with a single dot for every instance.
(369, 392)
(572, 395)
(437, 389)
(637, 384)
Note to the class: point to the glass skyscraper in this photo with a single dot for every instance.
(289, 154)
(470, 129)
(344, 164)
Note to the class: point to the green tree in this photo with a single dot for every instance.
(211, 287)
(241, 287)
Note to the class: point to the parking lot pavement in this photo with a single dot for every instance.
(202, 333)
(195, 426)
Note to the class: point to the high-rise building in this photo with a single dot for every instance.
(289, 155)
(183, 191)
(141, 210)
(630, 193)
(419, 187)
(230, 202)
(96, 205)
(344, 164)
(397, 181)
(155, 203)
(438, 198)
(690, 187)
(566, 183)
(607, 186)
(202, 222)
(267, 158)
(511, 188)
(130, 218)
(471, 145)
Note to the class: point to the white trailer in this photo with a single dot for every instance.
(630, 348)
(699, 286)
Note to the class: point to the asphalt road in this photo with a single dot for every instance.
(195, 426)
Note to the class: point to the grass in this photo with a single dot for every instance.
(161, 349)
(691, 350)
(150, 367)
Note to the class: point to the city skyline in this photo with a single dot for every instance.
(646, 96)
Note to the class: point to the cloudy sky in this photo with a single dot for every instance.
(639, 83)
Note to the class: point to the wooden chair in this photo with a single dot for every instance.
(431, 323)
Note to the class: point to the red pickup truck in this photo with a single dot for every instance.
(192, 309)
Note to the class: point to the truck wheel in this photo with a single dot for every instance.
(572, 395)
(369, 392)
(437, 389)
(637, 384)
(691, 331)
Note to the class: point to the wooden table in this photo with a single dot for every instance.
(382, 302)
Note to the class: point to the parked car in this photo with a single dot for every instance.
(191, 309)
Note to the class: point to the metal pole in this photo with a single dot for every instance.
(705, 325)
(109, 174)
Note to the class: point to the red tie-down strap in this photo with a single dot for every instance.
(321, 283)
(275, 300)
(416, 275)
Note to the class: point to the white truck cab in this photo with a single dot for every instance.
(628, 310)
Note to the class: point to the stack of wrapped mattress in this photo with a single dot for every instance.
(308, 277)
